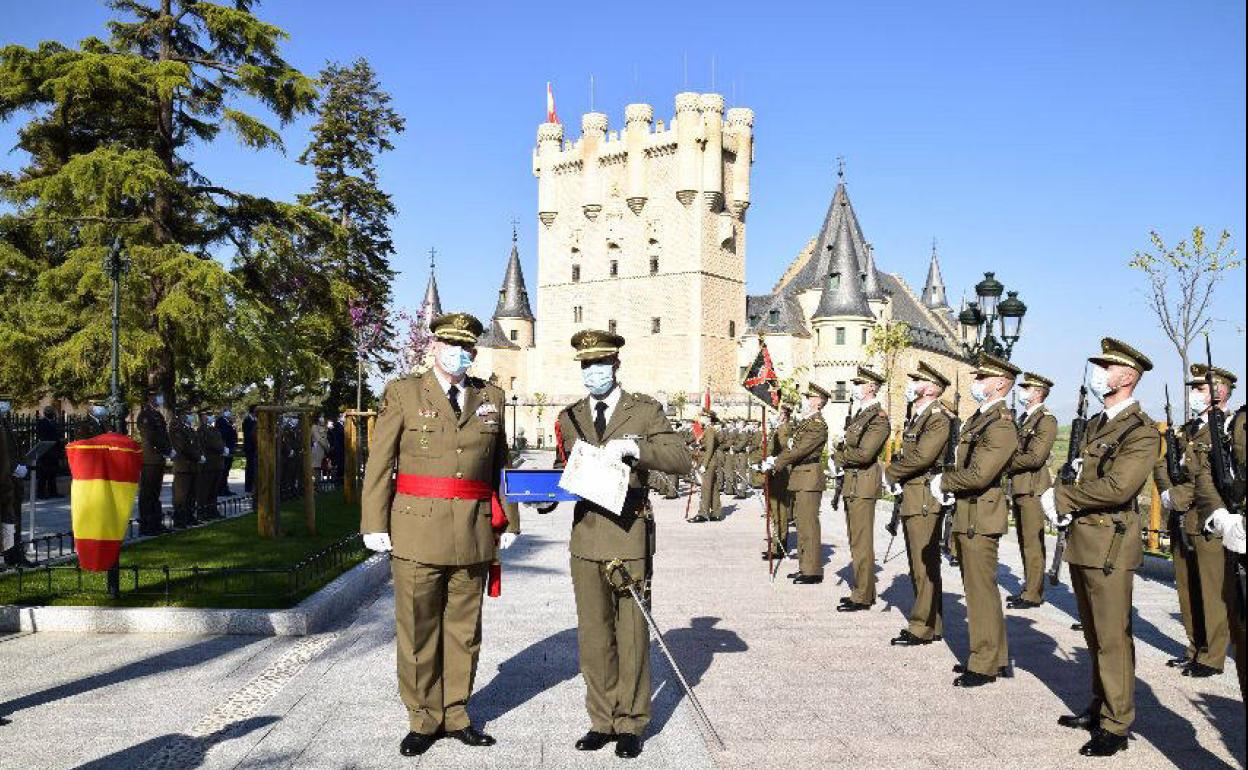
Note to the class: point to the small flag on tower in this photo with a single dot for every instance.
(105, 473)
(551, 115)
(760, 379)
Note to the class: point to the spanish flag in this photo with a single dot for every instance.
(105, 472)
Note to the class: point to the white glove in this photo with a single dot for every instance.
(1230, 527)
(934, 485)
(767, 465)
(1048, 501)
(1166, 502)
(202, 459)
(378, 541)
(20, 472)
(1077, 466)
(623, 447)
(1219, 522)
(227, 451)
(894, 489)
(506, 540)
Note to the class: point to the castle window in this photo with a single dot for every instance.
(576, 273)
(864, 336)
(578, 314)
(840, 335)
(615, 268)
(838, 393)
(654, 266)
(512, 386)
(611, 326)
(515, 334)
(656, 326)
(732, 329)
(834, 281)
(773, 317)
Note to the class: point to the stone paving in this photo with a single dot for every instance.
(788, 682)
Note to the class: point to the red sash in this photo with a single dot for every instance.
(460, 489)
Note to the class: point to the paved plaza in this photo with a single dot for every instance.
(787, 681)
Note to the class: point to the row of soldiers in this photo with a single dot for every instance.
(954, 488)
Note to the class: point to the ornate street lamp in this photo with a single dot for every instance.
(515, 410)
(989, 314)
(1011, 312)
(116, 265)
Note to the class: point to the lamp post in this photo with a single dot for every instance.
(116, 265)
(515, 411)
(989, 316)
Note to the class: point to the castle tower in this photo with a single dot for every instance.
(809, 282)
(877, 300)
(643, 231)
(843, 319)
(512, 314)
(934, 297)
(431, 305)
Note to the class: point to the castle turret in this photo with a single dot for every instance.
(934, 297)
(741, 123)
(637, 121)
(431, 305)
(549, 145)
(843, 294)
(593, 134)
(688, 136)
(877, 300)
(513, 313)
(712, 106)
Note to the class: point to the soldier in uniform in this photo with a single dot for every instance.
(229, 439)
(154, 435)
(923, 443)
(857, 454)
(1104, 545)
(728, 461)
(187, 460)
(986, 445)
(612, 635)
(1029, 477)
(12, 472)
(1230, 527)
(1204, 569)
(48, 466)
(208, 480)
(781, 503)
(441, 519)
(802, 458)
(712, 469)
(96, 422)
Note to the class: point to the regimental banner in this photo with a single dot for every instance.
(105, 472)
(761, 381)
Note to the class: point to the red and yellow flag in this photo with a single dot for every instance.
(105, 472)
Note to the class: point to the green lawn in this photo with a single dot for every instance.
(233, 543)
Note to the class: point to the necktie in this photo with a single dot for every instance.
(600, 419)
(453, 395)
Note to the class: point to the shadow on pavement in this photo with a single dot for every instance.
(694, 648)
(526, 675)
(182, 751)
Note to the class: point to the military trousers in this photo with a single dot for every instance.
(985, 620)
(613, 641)
(224, 486)
(781, 504)
(1187, 586)
(1029, 527)
(207, 482)
(708, 504)
(922, 535)
(437, 617)
(1104, 603)
(183, 497)
(1211, 564)
(809, 532)
(860, 522)
(1234, 601)
(151, 478)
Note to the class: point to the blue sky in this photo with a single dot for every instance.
(1039, 140)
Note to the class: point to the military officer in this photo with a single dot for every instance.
(208, 480)
(712, 469)
(441, 519)
(96, 422)
(1028, 478)
(157, 448)
(612, 634)
(1104, 548)
(986, 446)
(1230, 527)
(1182, 555)
(781, 503)
(728, 460)
(12, 472)
(802, 458)
(857, 454)
(923, 443)
(187, 458)
(1199, 498)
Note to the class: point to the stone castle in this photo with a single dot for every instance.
(643, 231)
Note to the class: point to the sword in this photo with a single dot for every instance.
(618, 577)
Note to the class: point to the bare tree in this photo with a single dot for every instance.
(1182, 282)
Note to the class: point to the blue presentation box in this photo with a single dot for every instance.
(534, 486)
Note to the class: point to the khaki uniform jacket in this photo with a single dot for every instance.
(923, 444)
(985, 448)
(212, 447)
(417, 430)
(1029, 470)
(712, 447)
(1118, 458)
(89, 428)
(185, 441)
(154, 434)
(598, 534)
(803, 458)
(859, 452)
(779, 441)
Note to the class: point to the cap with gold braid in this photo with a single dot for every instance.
(593, 344)
(1118, 352)
(1220, 375)
(457, 328)
(813, 389)
(1033, 380)
(866, 375)
(926, 373)
(991, 366)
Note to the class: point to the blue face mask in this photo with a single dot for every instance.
(159, 401)
(598, 378)
(454, 360)
(979, 391)
(99, 412)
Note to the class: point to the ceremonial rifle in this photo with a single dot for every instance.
(1067, 474)
(1177, 475)
(895, 522)
(949, 463)
(838, 483)
(1230, 489)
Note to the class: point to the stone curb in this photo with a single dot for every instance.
(343, 595)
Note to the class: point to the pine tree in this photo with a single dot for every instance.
(356, 123)
(108, 155)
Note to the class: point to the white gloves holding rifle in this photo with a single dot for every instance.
(1229, 527)
(1048, 502)
(944, 497)
(767, 465)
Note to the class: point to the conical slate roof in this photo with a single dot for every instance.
(513, 297)
(843, 293)
(778, 313)
(934, 296)
(431, 306)
(495, 337)
(813, 275)
(871, 279)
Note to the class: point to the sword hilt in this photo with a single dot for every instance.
(618, 576)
